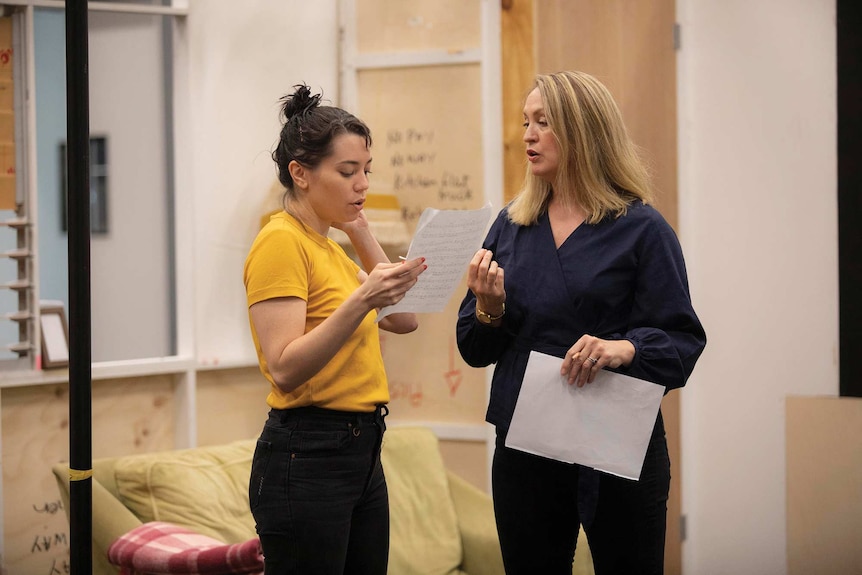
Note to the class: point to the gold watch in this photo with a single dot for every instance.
(487, 318)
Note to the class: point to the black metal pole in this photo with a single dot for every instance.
(80, 352)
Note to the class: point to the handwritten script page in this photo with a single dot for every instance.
(447, 239)
(605, 424)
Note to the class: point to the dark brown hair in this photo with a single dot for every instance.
(308, 130)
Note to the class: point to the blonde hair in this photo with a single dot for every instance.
(600, 167)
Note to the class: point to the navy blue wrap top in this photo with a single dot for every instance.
(622, 278)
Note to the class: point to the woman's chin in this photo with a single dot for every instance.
(541, 174)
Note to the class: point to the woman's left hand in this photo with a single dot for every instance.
(590, 354)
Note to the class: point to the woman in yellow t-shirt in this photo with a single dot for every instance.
(317, 490)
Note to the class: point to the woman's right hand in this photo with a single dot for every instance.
(388, 283)
(485, 280)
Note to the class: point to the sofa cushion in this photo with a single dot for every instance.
(424, 527)
(203, 489)
(158, 547)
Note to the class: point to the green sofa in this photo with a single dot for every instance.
(440, 524)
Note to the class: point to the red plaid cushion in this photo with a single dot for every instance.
(157, 548)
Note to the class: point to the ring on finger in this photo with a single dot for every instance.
(593, 359)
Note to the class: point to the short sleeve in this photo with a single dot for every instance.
(277, 266)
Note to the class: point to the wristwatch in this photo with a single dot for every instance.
(487, 318)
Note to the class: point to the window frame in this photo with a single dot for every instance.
(182, 361)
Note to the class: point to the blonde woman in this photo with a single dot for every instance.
(579, 265)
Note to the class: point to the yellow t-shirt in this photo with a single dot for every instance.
(289, 259)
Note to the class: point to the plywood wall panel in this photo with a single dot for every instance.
(391, 26)
(35, 427)
(428, 153)
(428, 380)
(129, 416)
(426, 123)
(231, 405)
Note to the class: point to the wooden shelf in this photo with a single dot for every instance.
(19, 347)
(17, 285)
(17, 254)
(23, 315)
(15, 223)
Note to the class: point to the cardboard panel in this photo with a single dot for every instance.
(824, 484)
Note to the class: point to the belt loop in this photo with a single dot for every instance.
(381, 411)
(379, 414)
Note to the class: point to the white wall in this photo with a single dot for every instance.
(243, 57)
(758, 224)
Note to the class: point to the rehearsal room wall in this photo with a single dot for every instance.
(757, 220)
(757, 157)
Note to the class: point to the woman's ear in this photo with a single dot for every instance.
(299, 174)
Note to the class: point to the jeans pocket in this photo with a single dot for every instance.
(259, 464)
(310, 444)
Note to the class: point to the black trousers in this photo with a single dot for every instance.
(318, 494)
(536, 504)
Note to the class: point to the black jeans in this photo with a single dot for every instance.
(536, 507)
(318, 494)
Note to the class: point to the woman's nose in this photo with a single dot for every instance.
(363, 183)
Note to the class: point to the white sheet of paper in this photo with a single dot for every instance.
(605, 424)
(447, 239)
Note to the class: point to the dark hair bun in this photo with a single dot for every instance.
(308, 130)
(300, 102)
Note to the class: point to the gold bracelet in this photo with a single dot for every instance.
(485, 317)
